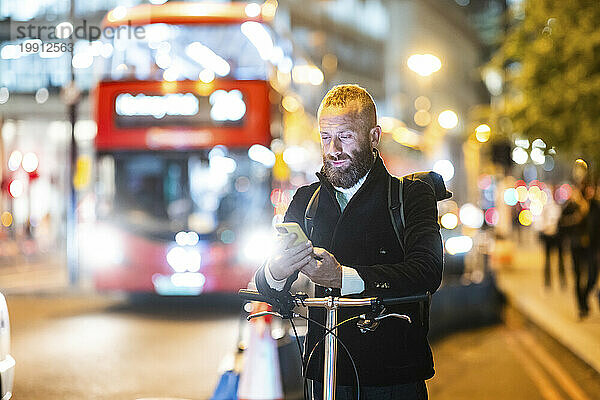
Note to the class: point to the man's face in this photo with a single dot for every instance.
(347, 145)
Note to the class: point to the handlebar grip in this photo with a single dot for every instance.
(408, 299)
(253, 295)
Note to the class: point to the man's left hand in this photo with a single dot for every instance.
(326, 272)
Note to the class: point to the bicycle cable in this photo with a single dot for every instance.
(304, 379)
(330, 331)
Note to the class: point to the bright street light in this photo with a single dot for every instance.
(444, 168)
(448, 119)
(307, 74)
(519, 155)
(424, 64)
(482, 133)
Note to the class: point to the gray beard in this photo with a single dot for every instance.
(360, 163)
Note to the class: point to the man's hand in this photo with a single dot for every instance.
(326, 272)
(285, 261)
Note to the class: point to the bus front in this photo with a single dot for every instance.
(183, 159)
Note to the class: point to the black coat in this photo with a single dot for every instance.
(362, 237)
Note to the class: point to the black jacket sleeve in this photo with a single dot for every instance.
(294, 213)
(421, 270)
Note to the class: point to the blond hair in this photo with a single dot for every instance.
(346, 95)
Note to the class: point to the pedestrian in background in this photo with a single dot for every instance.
(553, 239)
(593, 222)
(574, 222)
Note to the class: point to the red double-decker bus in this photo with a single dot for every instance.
(184, 114)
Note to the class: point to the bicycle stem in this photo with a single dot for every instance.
(330, 364)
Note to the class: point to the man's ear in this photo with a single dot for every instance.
(375, 136)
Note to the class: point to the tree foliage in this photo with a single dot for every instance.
(551, 60)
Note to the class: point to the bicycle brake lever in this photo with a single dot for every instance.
(367, 324)
(370, 324)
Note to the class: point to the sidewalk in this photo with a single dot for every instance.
(553, 310)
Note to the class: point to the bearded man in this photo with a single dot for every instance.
(353, 250)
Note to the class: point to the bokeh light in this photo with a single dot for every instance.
(519, 155)
(449, 220)
(471, 216)
(536, 208)
(482, 133)
(15, 188)
(548, 163)
(523, 143)
(530, 172)
(4, 94)
(307, 74)
(424, 64)
(15, 160)
(458, 245)
(65, 29)
(422, 103)
(422, 118)
(42, 95)
(525, 217)
(206, 75)
(563, 193)
(511, 196)
(252, 10)
(538, 143)
(448, 119)
(227, 236)
(30, 162)
(580, 163)
(492, 216)
(534, 193)
(445, 168)
(522, 194)
(485, 181)
(7, 219)
(546, 193)
(537, 156)
(291, 104)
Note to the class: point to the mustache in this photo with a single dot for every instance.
(341, 157)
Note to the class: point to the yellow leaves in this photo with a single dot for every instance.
(575, 73)
(543, 45)
(556, 88)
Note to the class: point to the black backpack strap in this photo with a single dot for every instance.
(310, 212)
(434, 181)
(396, 208)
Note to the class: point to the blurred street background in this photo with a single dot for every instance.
(147, 147)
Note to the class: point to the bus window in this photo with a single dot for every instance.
(161, 193)
(176, 52)
(228, 192)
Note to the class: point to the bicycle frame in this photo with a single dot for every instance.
(331, 304)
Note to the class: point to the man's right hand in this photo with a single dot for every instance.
(285, 261)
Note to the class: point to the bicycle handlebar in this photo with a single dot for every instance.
(406, 299)
(367, 322)
(254, 295)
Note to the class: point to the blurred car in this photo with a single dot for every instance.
(7, 362)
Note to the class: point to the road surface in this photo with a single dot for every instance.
(77, 347)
